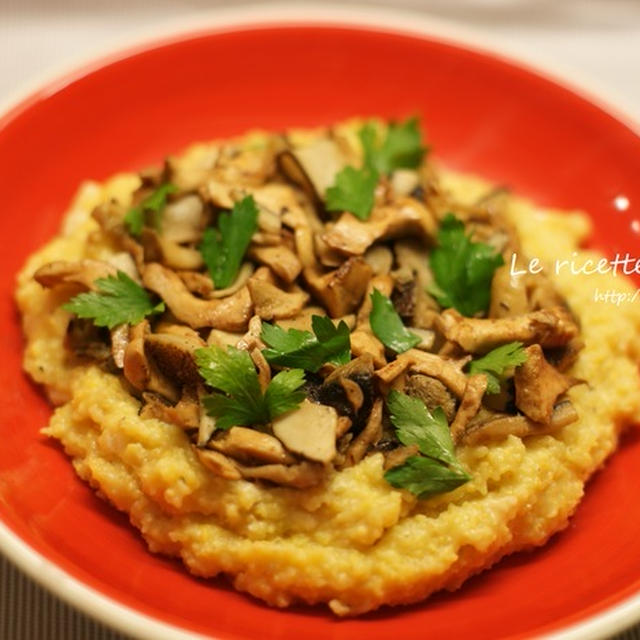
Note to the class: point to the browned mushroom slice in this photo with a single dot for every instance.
(563, 358)
(141, 373)
(272, 303)
(157, 248)
(182, 220)
(547, 327)
(406, 217)
(229, 314)
(219, 464)
(432, 392)
(448, 371)
(281, 260)
(298, 476)
(494, 426)
(508, 294)
(469, 404)
(248, 446)
(309, 431)
(81, 272)
(173, 356)
(185, 414)
(313, 167)
(86, 341)
(119, 342)
(380, 259)
(368, 437)
(538, 385)
(340, 291)
(399, 455)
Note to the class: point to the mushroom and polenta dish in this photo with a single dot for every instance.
(321, 365)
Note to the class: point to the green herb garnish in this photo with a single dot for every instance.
(118, 300)
(401, 148)
(387, 325)
(223, 248)
(496, 362)
(154, 203)
(295, 348)
(438, 469)
(354, 188)
(462, 269)
(238, 399)
(353, 192)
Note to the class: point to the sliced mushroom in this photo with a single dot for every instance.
(185, 414)
(490, 426)
(173, 356)
(432, 392)
(182, 220)
(309, 431)
(280, 259)
(251, 446)
(157, 248)
(538, 386)
(218, 464)
(142, 374)
(368, 437)
(299, 476)
(119, 342)
(82, 272)
(399, 455)
(406, 217)
(272, 303)
(341, 290)
(548, 327)
(380, 259)
(332, 391)
(508, 294)
(313, 167)
(86, 341)
(469, 405)
(229, 314)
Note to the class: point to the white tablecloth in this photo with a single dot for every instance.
(600, 39)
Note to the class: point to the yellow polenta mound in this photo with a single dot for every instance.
(353, 542)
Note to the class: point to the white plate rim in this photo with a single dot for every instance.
(403, 21)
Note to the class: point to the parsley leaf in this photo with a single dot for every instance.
(401, 148)
(155, 203)
(440, 470)
(462, 269)
(387, 325)
(118, 300)
(295, 348)
(238, 399)
(496, 362)
(283, 393)
(223, 248)
(353, 191)
(416, 425)
(425, 477)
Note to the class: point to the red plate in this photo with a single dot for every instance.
(482, 114)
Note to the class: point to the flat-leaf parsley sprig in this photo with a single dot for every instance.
(153, 203)
(223, 248)
(387, 325)
(237, 399)
(437, 470)
(117, 300)
(295, 348)
(496, 362)
(401, 148)
(462, 269)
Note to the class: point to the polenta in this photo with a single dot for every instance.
(346, 295)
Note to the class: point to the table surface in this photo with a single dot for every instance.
(597, 38)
